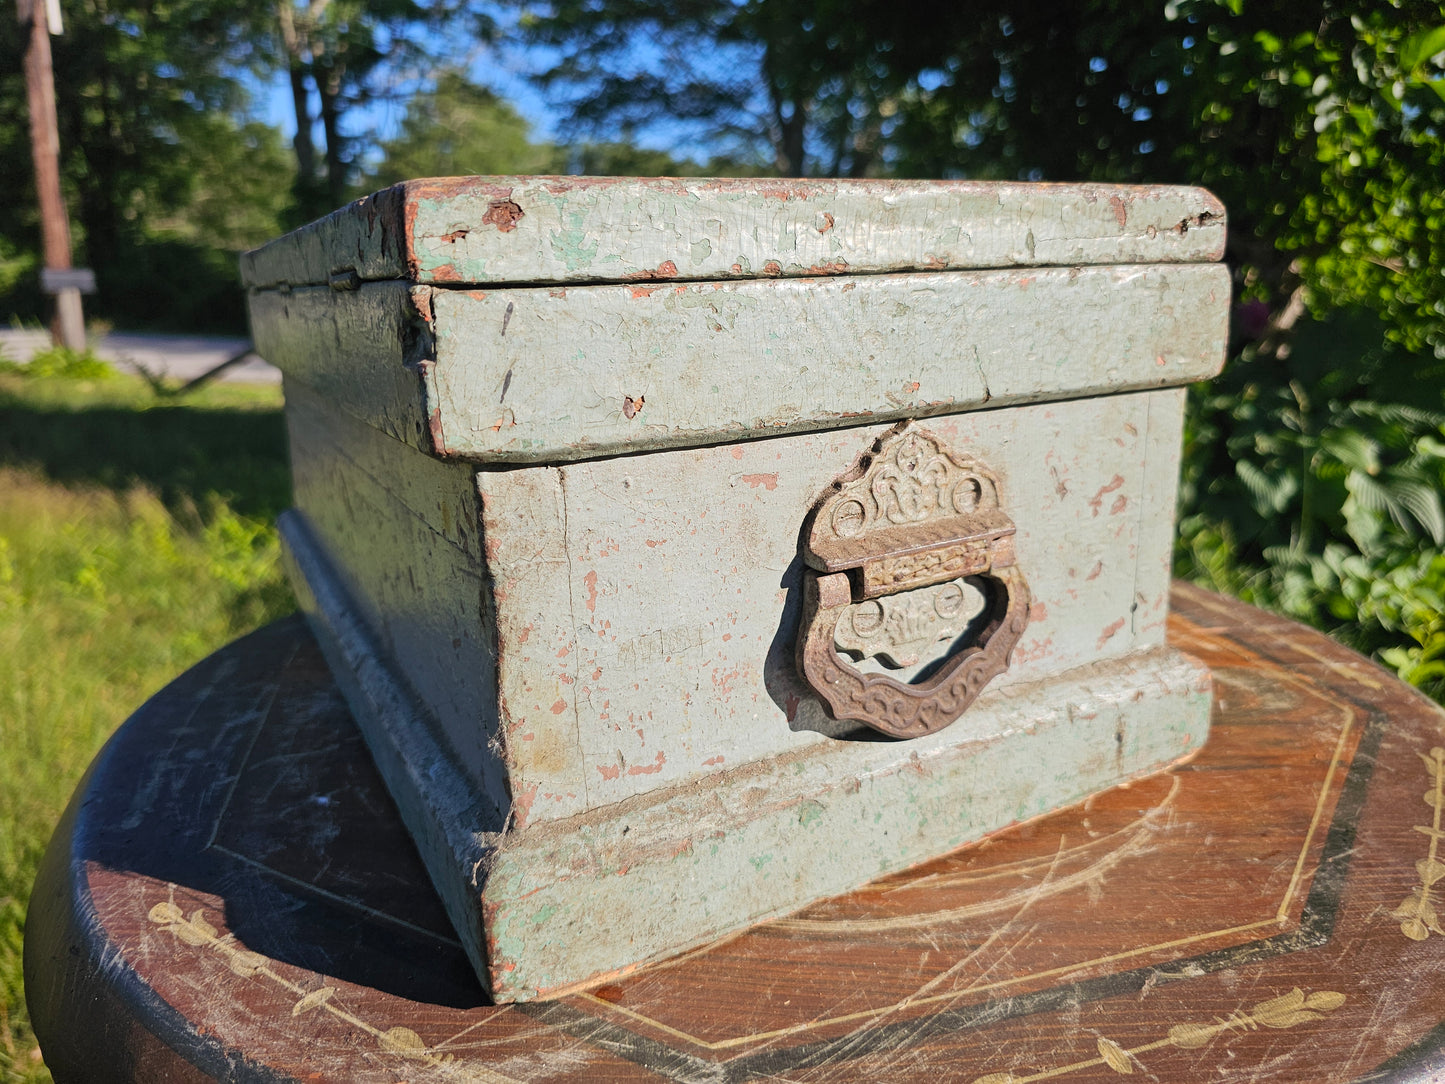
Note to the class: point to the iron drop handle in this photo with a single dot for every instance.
(911, 515)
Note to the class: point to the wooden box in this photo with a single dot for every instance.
(619, 503)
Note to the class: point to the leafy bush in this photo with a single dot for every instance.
(1310, 488)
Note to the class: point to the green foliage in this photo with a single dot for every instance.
(1306, 490)
(159, 168)
(237, 192)
(457, 128)
(623, 159)
(1315, 464)
(113, 581)
(757, 82)
(19, 267)
(1366, 151)
(174, 285)
(62, 363)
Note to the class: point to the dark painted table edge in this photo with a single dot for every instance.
(77, 983)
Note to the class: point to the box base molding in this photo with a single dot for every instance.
(548, 908)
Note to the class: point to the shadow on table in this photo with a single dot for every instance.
(247, 780)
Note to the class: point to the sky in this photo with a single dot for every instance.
(504, 68)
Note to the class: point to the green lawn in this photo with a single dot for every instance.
(137, 534)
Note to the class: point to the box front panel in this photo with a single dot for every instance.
(552, 375)
(647, 606)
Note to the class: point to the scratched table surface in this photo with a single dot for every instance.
(231, 896)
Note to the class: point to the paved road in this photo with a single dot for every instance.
(181, 357)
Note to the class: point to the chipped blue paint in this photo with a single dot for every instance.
(572, 246)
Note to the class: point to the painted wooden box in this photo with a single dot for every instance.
(691, 550)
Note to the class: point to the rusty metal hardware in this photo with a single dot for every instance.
(912, 515)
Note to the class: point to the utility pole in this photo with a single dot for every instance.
(58, 278)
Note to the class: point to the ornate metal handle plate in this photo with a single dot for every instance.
(911, 516)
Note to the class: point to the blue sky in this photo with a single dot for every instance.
(505, 68)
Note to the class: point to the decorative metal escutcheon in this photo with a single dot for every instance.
(890, 548)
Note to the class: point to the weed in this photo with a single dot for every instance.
(60, 363)
(119, 568)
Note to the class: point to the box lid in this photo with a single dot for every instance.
(496, 230)
(522, 319)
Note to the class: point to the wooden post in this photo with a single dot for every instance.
(69, 326)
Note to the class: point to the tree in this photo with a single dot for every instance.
(349, 53)
(151, 106)
(455, 128)
(148, 100)
(747, 81)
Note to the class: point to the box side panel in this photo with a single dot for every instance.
(366, 239)
(351, 347)
(542, 375)
(695, 863)
(401, 532)
(542, 603)
(668, 656)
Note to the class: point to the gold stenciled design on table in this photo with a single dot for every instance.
(1418, 919)
(1285, 1011)
(193, 929)
(912, 516)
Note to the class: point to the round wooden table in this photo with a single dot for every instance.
(231, 896)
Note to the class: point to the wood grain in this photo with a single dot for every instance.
(231, 891)
(403, 532)
(351, 349)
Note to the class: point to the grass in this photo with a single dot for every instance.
(136, 536)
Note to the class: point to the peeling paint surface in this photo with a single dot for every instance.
(744, 847)
(590, 229)
(613, 369)
(661, 592)
(552, 479)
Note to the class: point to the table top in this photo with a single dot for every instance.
(231, 896)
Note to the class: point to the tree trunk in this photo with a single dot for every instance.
(788, 148)
(328, 85)
(295, 46)
(305, 149)
(788, 131)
